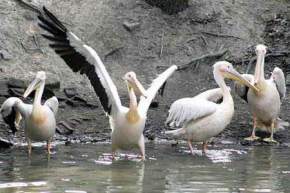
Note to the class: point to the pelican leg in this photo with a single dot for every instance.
(253, 137)
(271, 138)
(189, 142)
(29, 147)
(204, 147)
(113, 155)
(113, 152)
(17, 120)
(142, 147)
(48, 146)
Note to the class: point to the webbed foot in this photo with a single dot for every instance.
(270, 140)
(252, 138)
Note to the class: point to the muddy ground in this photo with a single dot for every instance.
(156, 40)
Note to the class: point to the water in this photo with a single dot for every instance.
(84, 168)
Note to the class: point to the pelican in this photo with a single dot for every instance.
(39, 120)
(265, 104)
(127, 124)
(201, 117)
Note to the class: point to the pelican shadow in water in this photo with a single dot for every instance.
(127, 124)
(39, 120)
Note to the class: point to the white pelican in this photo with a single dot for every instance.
(201, 117)
(265, 104)
(127, 124)
(39, 120)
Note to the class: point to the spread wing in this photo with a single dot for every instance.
(241, 89)
(157, 83)
(189, 109)
(279, 80)
(52, 103)
(81, 58)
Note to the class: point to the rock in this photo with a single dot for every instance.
(16, 92)
(154, 104)
(16, 83)
(130, 26)
(64, 128)
(5, 55)
(4, 88)
(52, 83)
(288, 80)
(70, 92)
(169, 6)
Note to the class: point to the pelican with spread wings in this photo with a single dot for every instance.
(202, 117)
(265, 104)
(39, 120)
(127, 124)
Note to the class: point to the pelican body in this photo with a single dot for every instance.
(264, 104)
(201, 117)
(127, 123)
(39, 120)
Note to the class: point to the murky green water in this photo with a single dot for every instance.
(87, 168)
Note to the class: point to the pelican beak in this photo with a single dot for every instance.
(33, 85)
(138, 87)
(235, 75)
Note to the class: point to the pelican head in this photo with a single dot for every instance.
(36, 83)
(133, 83)
(227, 70)
(260, 48)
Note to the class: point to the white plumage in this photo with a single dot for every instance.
(127, 124)
(201, 117)
(39, 120)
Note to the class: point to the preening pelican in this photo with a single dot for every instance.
(265, 104)
(200, 117)
(39, 120)
(127, 124)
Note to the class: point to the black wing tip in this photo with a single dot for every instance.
(54, 19)
(162, 89)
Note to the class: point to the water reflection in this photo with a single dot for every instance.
(83, 168)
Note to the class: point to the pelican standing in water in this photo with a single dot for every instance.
(39, 120)
(264, 104)
(201, 117)
(127, 124)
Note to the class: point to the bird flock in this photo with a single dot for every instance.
(197, 119)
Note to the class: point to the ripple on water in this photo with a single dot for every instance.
(106, 158)
(69, 162)
(75, 191)
(22, 184)
(219, 156)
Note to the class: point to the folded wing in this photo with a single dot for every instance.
(279, 80)
(189, 109)
(52, 103)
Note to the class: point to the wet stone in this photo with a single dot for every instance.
(288, 80)
(170, 7)
(5, 55)
(52, 83)
(16, 83)
(70, 92)
(130, 26)
(5, 143)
